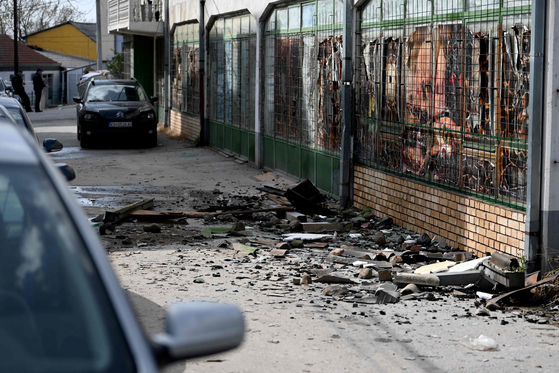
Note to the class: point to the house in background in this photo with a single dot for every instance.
(77, 39)
(29, 61)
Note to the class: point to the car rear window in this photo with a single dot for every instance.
(55, 315)
(116, 92)
(18, 116)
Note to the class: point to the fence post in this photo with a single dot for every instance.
(347, 107)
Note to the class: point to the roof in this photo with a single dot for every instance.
(88, 29)
(9, 102)
(68, 62)
(15, 149)
(27, 56)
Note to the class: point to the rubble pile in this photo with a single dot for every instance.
(343, 255)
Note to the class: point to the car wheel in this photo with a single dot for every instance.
(85, 142)
(151, 141)
(79, 133)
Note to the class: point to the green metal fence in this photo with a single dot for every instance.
(442, 92)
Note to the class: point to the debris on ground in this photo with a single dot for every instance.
(350, 255)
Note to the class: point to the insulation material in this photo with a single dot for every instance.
(329, 92)
(515, 82)
(288, 60)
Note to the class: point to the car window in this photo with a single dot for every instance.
(55, 315)
(116, 92)
(17, 115)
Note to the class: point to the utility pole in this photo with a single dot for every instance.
(167, 71)
(16, 57)
(201, 63)
(99, 36)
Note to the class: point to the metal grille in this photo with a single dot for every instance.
(303, 74)
(185, 74)
(232, 71)
(442, 90)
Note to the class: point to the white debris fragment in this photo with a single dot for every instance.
(355, 235)
(359, 263)
(469, 265)
(305, 236)
(483, 295)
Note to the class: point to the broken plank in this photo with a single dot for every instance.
(326, 227)
(112, 216)
(282, 201)
(272, 190)
(502, 297)
(143, 214)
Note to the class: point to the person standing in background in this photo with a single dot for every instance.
(38, 85)
(19, 89)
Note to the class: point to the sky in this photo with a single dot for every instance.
(86, 6)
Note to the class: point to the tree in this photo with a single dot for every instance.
(116, 65)
(36, 15)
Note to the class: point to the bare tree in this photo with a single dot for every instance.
(36, 15)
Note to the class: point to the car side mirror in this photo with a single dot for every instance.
(198, 329)
(153, 99)
(77, 100)
(52, 145)
(67, 171)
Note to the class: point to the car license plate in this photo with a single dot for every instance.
(120, 124)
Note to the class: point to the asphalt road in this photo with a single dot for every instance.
(289, 328)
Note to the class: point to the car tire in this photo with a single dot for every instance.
(151, 141)
(79, 133)
(85, 142)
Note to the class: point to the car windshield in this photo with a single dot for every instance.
(116, 92)
(55, 315)
(17, 115)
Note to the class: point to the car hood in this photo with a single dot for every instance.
(112, 110)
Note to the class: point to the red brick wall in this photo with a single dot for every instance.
(183, 124)
(466, 222)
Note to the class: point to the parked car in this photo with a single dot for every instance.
(6, 90)
(116, 107)
(61, 307)
(17, 112)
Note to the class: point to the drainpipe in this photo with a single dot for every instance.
(166, 62)
(347, 78)
(533, 199)
(201, 63)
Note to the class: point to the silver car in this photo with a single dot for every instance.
(61, 307)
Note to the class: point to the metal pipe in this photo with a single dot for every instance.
(347, 79)
(167, 67)
(533, 198)
(99, 37)
(201, 63)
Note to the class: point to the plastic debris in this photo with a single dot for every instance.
(481, 343)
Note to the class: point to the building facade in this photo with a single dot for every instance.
(442, 99)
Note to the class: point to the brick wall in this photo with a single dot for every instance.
(185, 125)
(466, 222)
